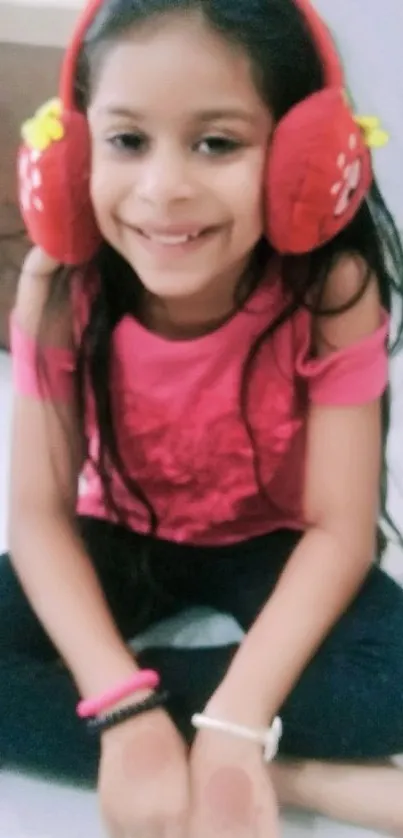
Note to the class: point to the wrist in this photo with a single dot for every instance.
(144, 721)
(134, 696)
(105, 672)
(241, 704)
(240, 738)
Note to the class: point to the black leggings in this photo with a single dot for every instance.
(348, 705)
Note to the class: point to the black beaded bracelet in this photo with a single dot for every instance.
(99, 724)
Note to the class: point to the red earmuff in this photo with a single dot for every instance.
(54, 165)
(318, 170)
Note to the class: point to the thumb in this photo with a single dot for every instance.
(39, 263)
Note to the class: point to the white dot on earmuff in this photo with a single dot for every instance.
(341, 161)
(352, 142)
(36, 179)
(35, 155)
(342, 204)
(355, 174)
(23, 166)
(38, 203)
(336, 188)
(25, 199)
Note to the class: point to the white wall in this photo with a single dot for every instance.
(37, 22)
(369, 36)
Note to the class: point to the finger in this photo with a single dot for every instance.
(177, 828)
(221, 822)
(39, 263)
(268, 820)
(116, 830)
(224, 806)
(268, 824)
(150, 830)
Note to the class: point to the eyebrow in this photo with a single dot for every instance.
(226, 113)
(212, 115)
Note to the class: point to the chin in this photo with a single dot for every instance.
(171, 285)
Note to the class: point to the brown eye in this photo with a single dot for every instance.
(129, 142)
(215, 146)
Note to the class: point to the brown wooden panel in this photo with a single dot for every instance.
(28, 78)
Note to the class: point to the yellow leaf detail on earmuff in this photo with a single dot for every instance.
(367, 123)
(51, 108)
(45, 127)
(377, 138)
(56, 130)
(374, 135)
(34, 135)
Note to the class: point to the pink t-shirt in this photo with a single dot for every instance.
(180, 427)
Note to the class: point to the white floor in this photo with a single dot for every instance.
(34, 809)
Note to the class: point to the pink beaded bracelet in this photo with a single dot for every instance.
(146, 679)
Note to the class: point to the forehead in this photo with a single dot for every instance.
(175, 62)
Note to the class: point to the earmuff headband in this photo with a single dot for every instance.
(319, 31)
(313, 187)
(69, 66)
(334, 76)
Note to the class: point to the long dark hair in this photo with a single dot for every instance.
(287, 69)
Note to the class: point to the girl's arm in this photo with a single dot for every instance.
(47, 553)
(334, 556)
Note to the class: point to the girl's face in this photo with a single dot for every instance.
(179, 140)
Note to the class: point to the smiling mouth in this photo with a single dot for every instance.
(174, 239)
(171, 239)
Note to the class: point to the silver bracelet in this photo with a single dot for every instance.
(269, 737)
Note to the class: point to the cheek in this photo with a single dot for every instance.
(105, 186)
(246, 187)
(101, 194)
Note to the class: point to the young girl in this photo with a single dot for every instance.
(203, 341)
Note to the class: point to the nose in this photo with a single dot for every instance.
(165, 177)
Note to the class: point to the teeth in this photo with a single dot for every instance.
(171, 239)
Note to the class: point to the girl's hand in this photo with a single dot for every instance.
(143, 779)
(38, 263)
(231, 792)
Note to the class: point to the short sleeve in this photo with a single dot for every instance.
(354, 375)
(54, 376)
(58, 365)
